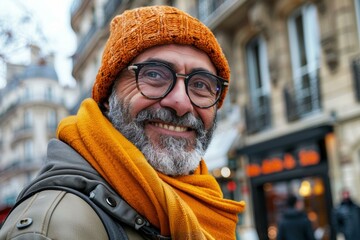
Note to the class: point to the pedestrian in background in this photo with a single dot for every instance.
(294, 224)
(347, 217)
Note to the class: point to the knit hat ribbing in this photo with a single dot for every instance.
(138, 29)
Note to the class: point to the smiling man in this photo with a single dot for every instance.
(129, 164)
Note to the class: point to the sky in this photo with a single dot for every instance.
(53, 18)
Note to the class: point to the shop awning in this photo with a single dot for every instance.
(224, 136)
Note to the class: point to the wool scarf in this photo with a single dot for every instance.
(184, 207)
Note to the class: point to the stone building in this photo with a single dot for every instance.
(296, 72)
(31, 104)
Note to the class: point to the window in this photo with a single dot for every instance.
(207, 7)
(28, 150)
(49, 93)
(28, 93)
(259, 84)
(28, 119)
(51, 120)
(357, 9)
(305, 54)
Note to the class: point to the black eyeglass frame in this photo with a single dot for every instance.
(136, 67)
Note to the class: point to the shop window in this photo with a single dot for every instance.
(310, 191)
(258, 110)
(303, 97)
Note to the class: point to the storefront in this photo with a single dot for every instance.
(298, 164)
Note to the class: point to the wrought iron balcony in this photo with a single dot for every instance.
(303, 99)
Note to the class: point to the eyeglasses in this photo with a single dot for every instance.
(155, 80)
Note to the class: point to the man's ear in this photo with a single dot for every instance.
(106, 105)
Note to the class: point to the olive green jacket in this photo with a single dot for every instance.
(69, 200)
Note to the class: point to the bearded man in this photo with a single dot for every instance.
(129, 164)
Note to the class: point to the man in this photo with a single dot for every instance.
(295, 225)
(347, 217)
(128, 165)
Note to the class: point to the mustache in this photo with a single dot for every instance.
(169, 116)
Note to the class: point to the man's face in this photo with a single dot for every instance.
(171, 132)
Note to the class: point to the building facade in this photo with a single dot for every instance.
(31, 105)
(295, 69)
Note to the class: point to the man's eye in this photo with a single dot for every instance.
(153, 74)
(199, 85)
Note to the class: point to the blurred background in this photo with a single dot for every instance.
(290, 123)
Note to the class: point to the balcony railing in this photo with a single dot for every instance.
(303, 100)
(24, 132)
(17, 166)
(31, 99)
(258, 118)
(23, 129)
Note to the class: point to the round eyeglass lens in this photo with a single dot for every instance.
(154, 80)
(204, 89)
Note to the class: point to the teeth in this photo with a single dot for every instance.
(171, 127)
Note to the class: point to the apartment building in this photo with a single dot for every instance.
(296, 72)
(31, 105)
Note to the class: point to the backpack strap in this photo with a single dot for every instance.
(119, 209)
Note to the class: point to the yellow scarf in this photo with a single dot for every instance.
(185, 207)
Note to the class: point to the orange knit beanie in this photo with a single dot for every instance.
(138, 29)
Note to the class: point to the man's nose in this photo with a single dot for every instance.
(177, 99)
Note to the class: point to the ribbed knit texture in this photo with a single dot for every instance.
(136, 30)
(186, 207)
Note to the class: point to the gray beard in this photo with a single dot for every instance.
(173, 156)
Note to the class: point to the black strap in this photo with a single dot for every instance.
(114, 205)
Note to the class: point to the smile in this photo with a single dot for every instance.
(170, 127)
